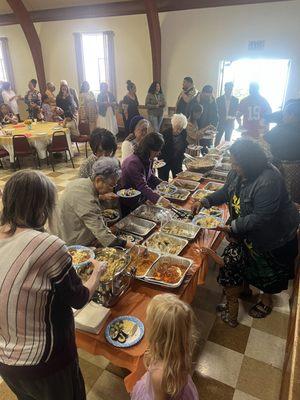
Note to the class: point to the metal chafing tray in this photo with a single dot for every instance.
(193, 176)
(200, 194)
(190, 230)
(161, 237)
(172, 260)
(191, 186)
(132, 263)
(137, 226)
(210, 186)
(150, 213)
(183, 193)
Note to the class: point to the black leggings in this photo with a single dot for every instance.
(174, 166)
(66, 384)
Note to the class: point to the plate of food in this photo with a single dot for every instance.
(110, 215)
(158, 164)
(168, 271)
(164, 243)
(80, 255)
(213, 186)
(193, 176)
(166, 189)
(207, 221)
(128, 193)
(181, 229)
(191, 186)
(200, 194)
(142, 259)
(125, 331)
(213, 211)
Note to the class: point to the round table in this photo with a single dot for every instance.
(40, 136)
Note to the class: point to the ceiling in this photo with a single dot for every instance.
(33, 5)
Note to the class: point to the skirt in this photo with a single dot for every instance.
(108, 122)
(270, 271)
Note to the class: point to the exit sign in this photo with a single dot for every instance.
(256, 45)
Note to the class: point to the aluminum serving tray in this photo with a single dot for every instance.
(130, 237)
(209, 186)
(185, 194)
(141, 277)
(220, 212)
(172, 260)
(205, 193)
(191, 231)
(217, 176)
(191, 186)
(156, 213)
(182, 243)
(137, 226)
(193, 176)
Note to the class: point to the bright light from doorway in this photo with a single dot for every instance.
(271, 74)
(94, 60)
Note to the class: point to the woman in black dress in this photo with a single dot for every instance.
(263, 216)
(65, 100)
(129, 105)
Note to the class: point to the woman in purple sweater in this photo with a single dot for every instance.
(137, 173)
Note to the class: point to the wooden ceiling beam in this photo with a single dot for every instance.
(122, 8)
(155, 37)
(23, 18)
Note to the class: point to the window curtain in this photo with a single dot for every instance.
(109, 56)
(7, 63)
(79, 58)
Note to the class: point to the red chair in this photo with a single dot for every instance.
(59, 145)
(3, 154)
(23, 149)
(81, 139)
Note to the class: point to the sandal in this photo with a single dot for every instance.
(260, 310)
(225, 318)
(222, 307)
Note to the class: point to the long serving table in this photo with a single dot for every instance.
(39, 136)
(137, 298)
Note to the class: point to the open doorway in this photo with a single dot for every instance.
(271, 75)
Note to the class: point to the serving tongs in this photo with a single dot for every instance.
(181, 213)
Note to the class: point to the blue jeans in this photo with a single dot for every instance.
(155, 122)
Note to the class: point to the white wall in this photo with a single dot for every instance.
(193, 43)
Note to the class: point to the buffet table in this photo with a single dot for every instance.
(136, 300)
(39, 136)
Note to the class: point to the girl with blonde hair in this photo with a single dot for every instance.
(170, 333)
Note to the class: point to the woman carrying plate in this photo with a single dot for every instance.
(137, 173)
(263, 217)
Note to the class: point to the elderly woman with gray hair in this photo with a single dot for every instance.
(174, 148)
(78, 218)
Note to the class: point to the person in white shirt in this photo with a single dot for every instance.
(10, 98)
(138, 128)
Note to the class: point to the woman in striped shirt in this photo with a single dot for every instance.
(38, 288)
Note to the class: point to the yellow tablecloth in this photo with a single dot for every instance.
(39, 136)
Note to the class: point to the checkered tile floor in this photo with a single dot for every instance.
(244, 363)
